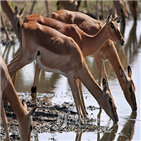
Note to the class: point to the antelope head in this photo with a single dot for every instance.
(129, 89)
(112, 31)
(109, 107)
(26, 124)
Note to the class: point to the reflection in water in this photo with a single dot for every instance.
(98, 124)
(25, 78)
(126, 133)
(78, 136)
(131, 47)
(128, 129)
(49, 82)
(110, 134)
(35, 137)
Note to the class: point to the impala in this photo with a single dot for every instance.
(9, 92)
(109, 31)
(107, 51)
(58, 53)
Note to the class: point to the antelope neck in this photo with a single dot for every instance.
(15, 102)
(115, 61)
(92, 43)
(88, 80)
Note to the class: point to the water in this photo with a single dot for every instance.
(128, 127)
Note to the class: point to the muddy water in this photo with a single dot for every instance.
(53, 87)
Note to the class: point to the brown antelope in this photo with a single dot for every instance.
(58, 53)
(107, 51)
(86, 42)
(9, 92)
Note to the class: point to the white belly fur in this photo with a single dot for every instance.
(46, 68)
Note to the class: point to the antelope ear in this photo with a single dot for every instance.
(118, 19)
(20, 13)
(129, 71)
(104, 84)
(24, 104)
(15, 11)
(108, 19)
(122, 74)
(31, 112)
(53, 14)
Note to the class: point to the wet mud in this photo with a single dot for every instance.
(50, 117)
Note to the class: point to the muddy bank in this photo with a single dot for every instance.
(50, 117)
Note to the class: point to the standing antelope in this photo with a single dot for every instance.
(9, 92)
(86, 42)
(58, 53)
(107, 51)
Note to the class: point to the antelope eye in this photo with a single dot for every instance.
(30, 127)
(110, 100)
(112, 26)
(130, 89)
(132, 82)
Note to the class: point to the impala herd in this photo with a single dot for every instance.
(59, 44)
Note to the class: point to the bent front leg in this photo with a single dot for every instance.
(20, 61)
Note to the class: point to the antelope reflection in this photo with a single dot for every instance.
(126, 133)
(78, 136)
(128, 129)
(131, 47)
(110, 134)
